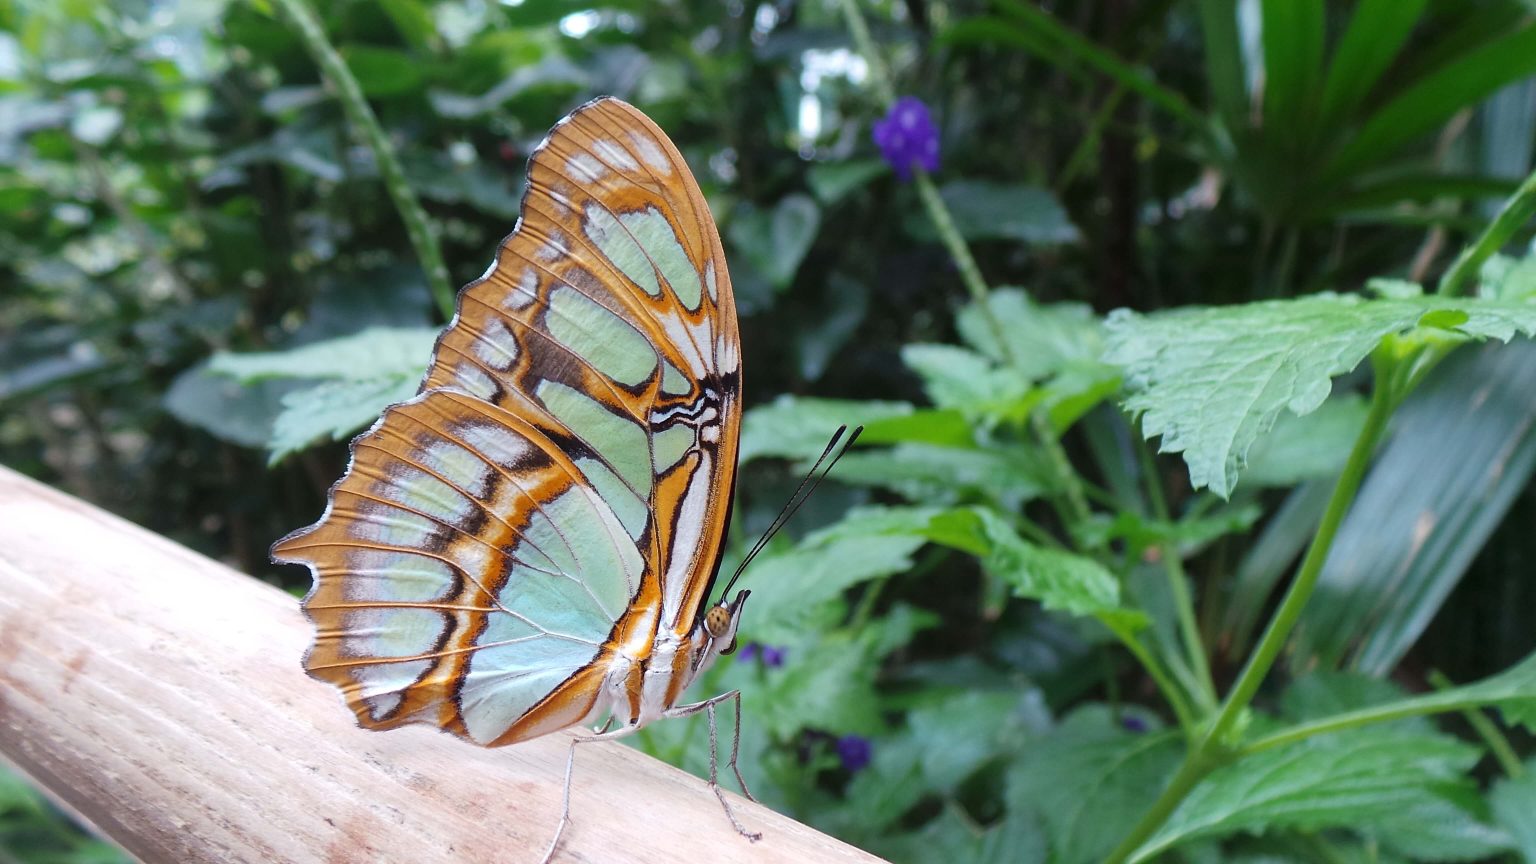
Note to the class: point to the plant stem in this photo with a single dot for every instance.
(360, 115)
(1383, 399)
(970, 274)
(1518, 210)
(1178, 586)
(866, 45)
(1214, 748)
(1172, 693)
(1498, 745)
(1194, 769)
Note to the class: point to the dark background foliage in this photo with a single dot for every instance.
(178, 182)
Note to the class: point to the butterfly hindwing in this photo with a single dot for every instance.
(559, 489)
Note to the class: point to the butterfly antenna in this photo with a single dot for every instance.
(802, 493)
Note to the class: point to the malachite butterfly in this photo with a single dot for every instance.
(530, 542)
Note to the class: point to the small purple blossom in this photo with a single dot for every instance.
(769, 655)
(854, 750)
(1133, 724)
(907, 135)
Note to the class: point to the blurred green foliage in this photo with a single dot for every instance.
(1023, 610)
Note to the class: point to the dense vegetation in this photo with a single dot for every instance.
(1010, 621)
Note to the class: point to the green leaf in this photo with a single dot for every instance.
(1514, 800)
(1222, 48)
(1044, 339)
(945, 427)
(952, 836)
(776, 241)
(240, 413)
(383, 71)
(332, 410)
(829, 687)
(959, 732)
(1308, 447)
(1508, 278)
(1336, 780)
(1293, 63)
(1059, 580)
(412, 20)
(1007, 475)
(831, 182)
(996, 211)
(955, 377)
(1088, 774)
(1185, 534)
(1211, 381)
(1376, 32)
(1431, 100)
(1420, 519)
(793, 583)
(798, 428)
(374, 353)
(1448, 823)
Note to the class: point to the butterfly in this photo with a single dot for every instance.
(530, 542)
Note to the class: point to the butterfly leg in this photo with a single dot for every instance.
(708, 707)
(565, 798)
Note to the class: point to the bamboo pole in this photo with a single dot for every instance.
(158, 695)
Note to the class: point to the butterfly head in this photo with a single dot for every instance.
(720, 624)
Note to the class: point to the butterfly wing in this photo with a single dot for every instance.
(515, 536)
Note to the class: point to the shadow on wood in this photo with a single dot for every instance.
(158, 695)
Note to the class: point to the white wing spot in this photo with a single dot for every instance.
(651, 152)
(585, 167)
(615, 155)
(553, 249)
(496, 346)
(527, 289)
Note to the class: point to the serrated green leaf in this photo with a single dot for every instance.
(1088, 774)
(1210, 381)
(951, 836)
(1336, 780)
(1514, 801)
(332, 410)
(1059, 580)
(377, 352)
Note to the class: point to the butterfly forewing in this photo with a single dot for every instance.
(559, 490)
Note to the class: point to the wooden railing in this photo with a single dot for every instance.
(157, 695)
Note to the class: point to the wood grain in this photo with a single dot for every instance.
(158, 694)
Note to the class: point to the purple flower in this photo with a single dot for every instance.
(1133, 724)
(770, 656)
(854, 750)
(907, 135)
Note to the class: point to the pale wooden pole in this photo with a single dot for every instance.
(157, 694)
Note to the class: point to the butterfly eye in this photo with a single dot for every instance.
(717, 621)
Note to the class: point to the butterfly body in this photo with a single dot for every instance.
(530, 542)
